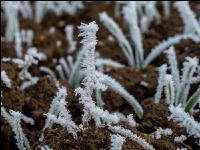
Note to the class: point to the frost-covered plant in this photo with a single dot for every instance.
(31, 57)
(115, 86)
(27, 36)
(99, 79)
(24, 7)
(131, 17)
(180, 139)
(91, 81)
(5, 79)
(131, 120)
(47, 71)
(185, 120)
(117, 142)
(12, 26)
(18, 45)
(58, 7)
(69, 36)
(59, 114)
(176, 88)
(14, 119)
(150, 13)
(45, 147)
(162, 132)
(161, 81)
(110, 24)
(128, 134)
(163, 45)
(166, 8)
(191, 25)
(22, 37)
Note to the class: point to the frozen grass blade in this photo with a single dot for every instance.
(194, 99)
(130, 16)
(112, 26)
(158, 49)
(161, 82)
(128, 134)
(115, 86)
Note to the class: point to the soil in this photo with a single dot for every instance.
(36, 100)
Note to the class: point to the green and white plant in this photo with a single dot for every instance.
(176, 86)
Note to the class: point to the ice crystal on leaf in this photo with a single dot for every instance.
(5, 79)
(117, 142)
(14, 119)
(185, 120)
(128, 134)
(59, 114)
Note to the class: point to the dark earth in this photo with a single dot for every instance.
(35, 101)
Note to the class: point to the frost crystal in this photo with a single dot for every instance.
(91, 81)
(59, 114)
(117, 142)
(109, 23)
(5, 79)
(128, 134)
(180, 139)
(161, 79)
(189, 18)
(185, 120)
(14, 119)
(158, 49)
(130, 16)
(69, 37)
(159, 132)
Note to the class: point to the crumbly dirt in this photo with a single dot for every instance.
(35, 101)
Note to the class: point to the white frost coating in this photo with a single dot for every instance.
(11, 12)
(47, 71)
(91, 81)
(116, 142)
(158, 49)
(45, 147)
(162, 132)
(109, 23)
(69, 36)
(189, 67)
(31, 57)
(115, 86)
(14, 119)
(59, 114)
(5, 79)
(18, 45)
(166, 8)
(161, 81)
(27, 84)
(109, 62)
(128, 134)
(185, 120)
(58, 7)
(130, 16)
(173, 67)
(150, 13)
(180, 139)
(65, 66)
(131, 120)
(191, 25)
(60, 72)
(169, 89)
